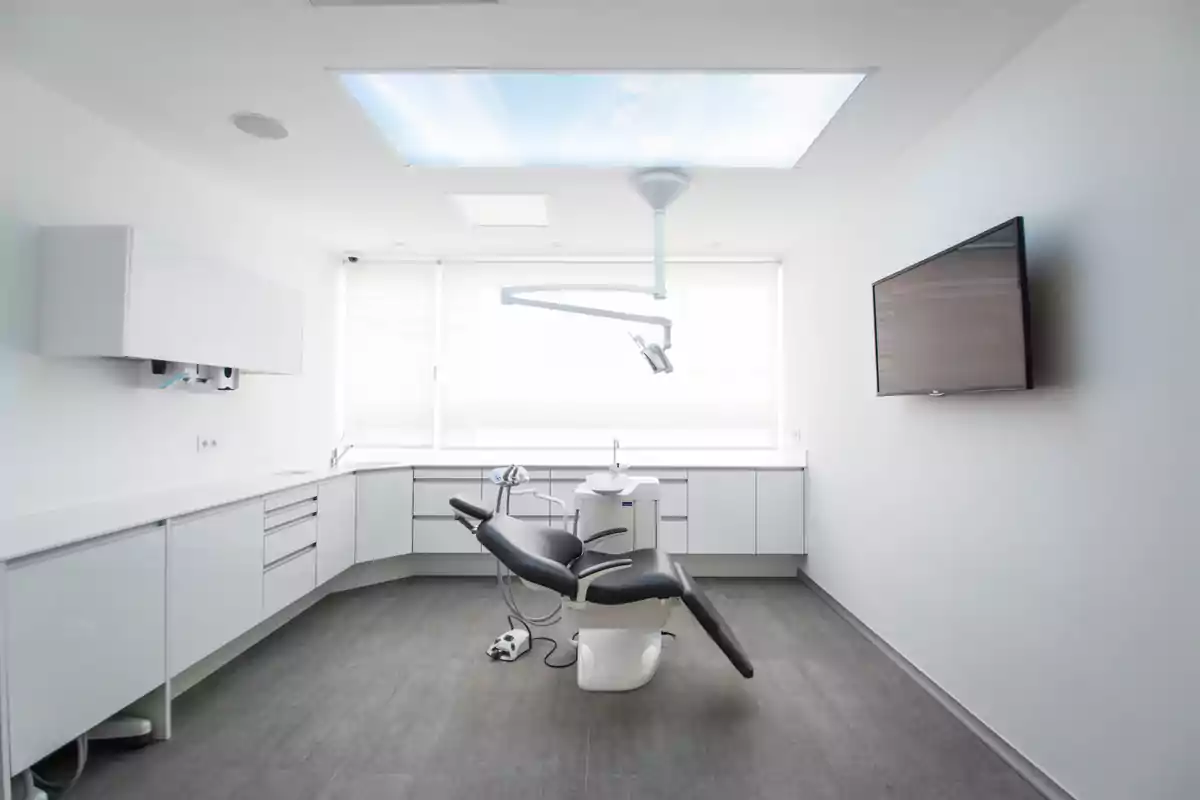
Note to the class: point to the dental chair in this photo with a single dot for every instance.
(619, 601)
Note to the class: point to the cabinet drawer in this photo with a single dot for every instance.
(288, 581)
(288, 539)
(443, 536)
(672, 536)
(673, 498)
(290, 513)
(432, 498)
(287, 497)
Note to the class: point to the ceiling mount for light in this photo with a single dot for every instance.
(659, 187)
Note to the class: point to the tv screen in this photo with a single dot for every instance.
(957, 321)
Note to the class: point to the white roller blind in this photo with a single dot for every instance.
(388, 354)
(513, 377)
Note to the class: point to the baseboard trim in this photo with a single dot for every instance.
(1009, 754)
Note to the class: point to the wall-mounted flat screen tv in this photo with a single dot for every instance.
(957, 321)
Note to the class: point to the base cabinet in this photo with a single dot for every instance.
(335, 526)
(385, 509)
(720, 512)
(214, 580)
(779, 511)
(85, 638)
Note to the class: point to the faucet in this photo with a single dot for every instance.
(335, 457)
(616, 465)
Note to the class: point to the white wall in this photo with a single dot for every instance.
(1036, 554)
(75, 430)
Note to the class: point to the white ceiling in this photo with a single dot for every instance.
(172, 71)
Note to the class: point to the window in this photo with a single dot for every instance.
(601, 119)
(388, 350)
(510, 376)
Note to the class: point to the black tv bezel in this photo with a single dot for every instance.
(1023, 280)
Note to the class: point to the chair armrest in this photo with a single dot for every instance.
(465, 506)
(587, 576)
(603, 533)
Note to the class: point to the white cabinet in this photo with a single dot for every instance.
(385, 514)
(289, 580)
(112, 290)
(673, 536)
(673, 498)
(291, 537)
(720, 515)
(780, 512)
(214, 580)
(85, 638)
(335, 526)
(443, 536)
(433, 489)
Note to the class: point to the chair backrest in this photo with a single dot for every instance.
(536, 553)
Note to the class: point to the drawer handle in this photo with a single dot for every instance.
(279, 562)
(292, 504)
(290, 523)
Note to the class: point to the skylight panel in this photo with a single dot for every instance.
(601, 119)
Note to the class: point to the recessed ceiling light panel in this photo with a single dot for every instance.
(601, 119)
(504, 210)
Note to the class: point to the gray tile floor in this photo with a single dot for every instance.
(384, 692)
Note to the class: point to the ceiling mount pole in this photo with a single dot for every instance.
(660, 186)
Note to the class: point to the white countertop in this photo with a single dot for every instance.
(46, 530)
(598, 457)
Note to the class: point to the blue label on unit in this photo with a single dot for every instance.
(627, 503)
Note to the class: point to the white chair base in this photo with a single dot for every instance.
(619, 646)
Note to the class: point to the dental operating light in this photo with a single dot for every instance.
(659, 187)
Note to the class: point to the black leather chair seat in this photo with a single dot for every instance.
(652, 575)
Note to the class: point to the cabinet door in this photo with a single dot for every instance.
(673, 535)
(335, 527)
(384, 523)
(214, 583)
(720, 511)
(780, 512)
(85, 638)
(443, 536)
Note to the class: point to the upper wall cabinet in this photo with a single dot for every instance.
(115, 291)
